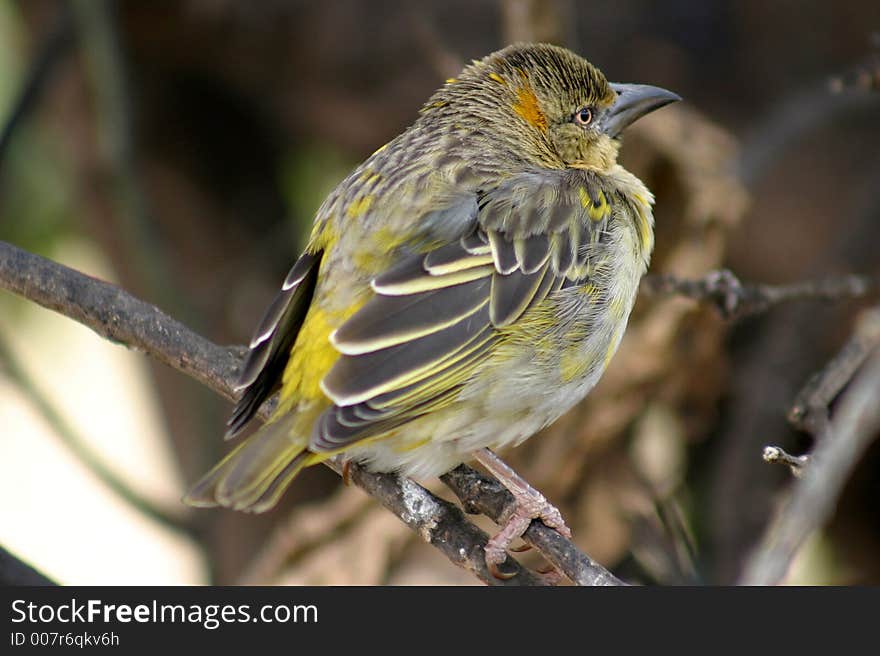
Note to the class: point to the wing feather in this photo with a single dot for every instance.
(435, 316)
(532, 253)
(392, 320)
(357, 378)
(453, 258)
(409, 277)
(476, 243)
(503, 253)
(270, 347)
(511, 295)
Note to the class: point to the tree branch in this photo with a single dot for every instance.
(809, 412)
(736, 300)
(855, 424)
(778, 456)
(481, 494)
(440, 524)
(119, 317)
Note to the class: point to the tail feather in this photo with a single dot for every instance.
(255, 474)
(271, 494)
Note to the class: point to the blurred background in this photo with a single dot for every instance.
(180, 150)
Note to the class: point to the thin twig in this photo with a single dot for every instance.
(116, 315)
(809, 412)
(777, 455)
(83, 452)
(855, 424)
(735, 299)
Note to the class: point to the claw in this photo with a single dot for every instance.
(550, 574)
(346, 473)
(521, 548)
(530, 504)
(498, 574)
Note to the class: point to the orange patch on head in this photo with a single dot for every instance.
(526, 105)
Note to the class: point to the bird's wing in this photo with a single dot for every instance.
(270, 346)
(435, 317)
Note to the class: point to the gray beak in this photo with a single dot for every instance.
(633, 102)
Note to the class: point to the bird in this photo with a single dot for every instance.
(460, 290)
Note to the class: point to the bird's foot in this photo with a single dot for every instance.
(529, 504)
(524, 511)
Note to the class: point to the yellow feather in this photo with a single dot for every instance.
(360, 206)
(573, 363)
(612, 347)
(599, 211)
(373, 256)
(584, 197)
(313, 355)
(324, 236)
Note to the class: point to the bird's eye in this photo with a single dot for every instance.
(583, 116)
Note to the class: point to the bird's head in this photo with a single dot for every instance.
(544, 105)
